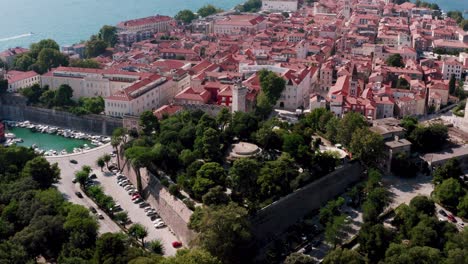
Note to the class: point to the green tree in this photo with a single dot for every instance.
(333, 230)
(40, 170)
(156, 246)
(215, 196)
(291, 143)
(343, 256)
(208, 10)
(100, 163)
(463, 207)
(395, 60)
(121, 217)
(111, 248)
(36, 48)
(243, 177)
(185, 16)
(409, 123)
(429, 138)
(108, 34)
(82, 177)
(11, 252)
(23, 62)
(107, 158)
(272, 85)
(33, 93)
(373, 241)
(330, 210)
(149, 123)
(63, 95)
(422, 204)
(348, 125)
(275, 177)
(95, 47)
(85, 63)
(452, 84)
(367, 146)
(424, 234)
(224, 231)
(243, 124)
(139, 157)
(250, 6)
(81, 227)
(50, 58)
(449, 192)
(3, 86)
(210, 145)
(397, 254)
(299, 258)
(192, 256)
(138, 231)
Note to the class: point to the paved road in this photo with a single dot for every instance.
(68, 188)
(109, 183)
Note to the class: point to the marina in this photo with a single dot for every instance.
(50, 140)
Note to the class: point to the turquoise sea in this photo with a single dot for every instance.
(69, 21)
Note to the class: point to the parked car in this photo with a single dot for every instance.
(148, 208)
(154, 217)
(442, 212)
(132, 191)
(452, 218)
(128, 187)
(157, 220)
(100, 216)
(144, 204)
(79, 194)
(136, 197)
(150, 213)
(176, 244)
(93, 176)
(73, 161)
(92, 209)
(160, 225)
(124, 183)
(74, 180)
(138, 200)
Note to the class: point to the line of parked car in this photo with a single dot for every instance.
(137, 199)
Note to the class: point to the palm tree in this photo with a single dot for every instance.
(100, 162)
(118, 137)
(138, 231)
(106, 157)
(138, 157)
(115, 142)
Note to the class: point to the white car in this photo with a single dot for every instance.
(150, 213)
(132, 191)
(160, 225)
(157, 221)
(148, 208)
(128, 187)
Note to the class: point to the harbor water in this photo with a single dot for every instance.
(46, 141)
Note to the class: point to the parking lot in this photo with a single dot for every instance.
(110, 186)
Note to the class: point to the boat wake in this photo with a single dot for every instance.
(16, 37)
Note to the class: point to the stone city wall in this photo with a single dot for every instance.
(277, 217)
(13, 108)
(172, 210)
(212, 110)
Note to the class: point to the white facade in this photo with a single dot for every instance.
(19, 80)
(280, 5)
(451, 67)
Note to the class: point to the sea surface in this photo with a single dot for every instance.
(47, 141)
(69, 21)
(23, 22)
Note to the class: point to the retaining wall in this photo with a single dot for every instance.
(277, 217)
(14, 108)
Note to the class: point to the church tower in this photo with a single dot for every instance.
(347, 9)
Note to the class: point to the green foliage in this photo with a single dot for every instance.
(418, 255)
(138, 231)
(429, 138)
(423, 205)
(42, 172)
(243, 177)
(228, 224)
(333, 230)
(49, 58)
(251, 6)
(33, 93)
(157, 247)
(108, 34)
(409, 123)
(331, 210)
(367, 146)
(449, 192)
(185, 16)
(36, 48)
(403, 166)
(395, 60)
(299, 258)
(95, 47)
(373, 241)
(42, 56)
(343, 256)
(100, 163)
(149, 123)
(85, 63)
(452, 84)
(194, 256)
(275, 177)
(348, 125)
(463, 206)
(208, 10)
(215, 196)
(3, 86)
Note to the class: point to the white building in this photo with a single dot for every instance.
(18, 80)
(451, 66)
(91, 82)
(147, 24)
(239, 24)
(280, 5)
(147, 94)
